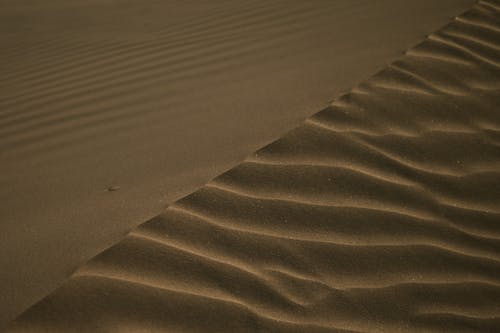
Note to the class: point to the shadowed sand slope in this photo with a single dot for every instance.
(380, 213)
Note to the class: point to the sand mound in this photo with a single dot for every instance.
(380, 213)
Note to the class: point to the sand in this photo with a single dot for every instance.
(380, 213)
(152, 99)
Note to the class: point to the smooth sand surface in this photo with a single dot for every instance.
(380, 213)
(152, 99)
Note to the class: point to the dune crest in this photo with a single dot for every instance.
(380, 213)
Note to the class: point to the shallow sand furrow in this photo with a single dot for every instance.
(378, 214)
(423, 81)
(130, 79)
(378, 166)
(362, 196)
(334, 225)
(307, 162)
(241, 281)
(37, 121)
(132, 267)
(160, 55)
(336, 307)
(477, 23)
(192, 305)
(452, 183)
(403, 232)
(285, 219)
(145, 62)
(490, 4)
(465, 50)
(476, 37)
(381, 133)
(385, 154)
(443, 53)
(486, 50)
(20, 48)
(202, 27)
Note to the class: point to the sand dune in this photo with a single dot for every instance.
(380, 213)
(152, 99)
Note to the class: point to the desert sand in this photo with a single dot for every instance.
(378, 214)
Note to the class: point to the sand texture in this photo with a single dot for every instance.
(110, 110)
(380, 213)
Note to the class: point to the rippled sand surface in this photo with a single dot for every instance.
(380, 213)
(110, 110)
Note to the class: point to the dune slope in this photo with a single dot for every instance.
(112, 109)
(380, 213)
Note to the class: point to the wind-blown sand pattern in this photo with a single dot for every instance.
(156, 98)
(380, 213)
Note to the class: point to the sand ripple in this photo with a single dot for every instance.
(380, 213)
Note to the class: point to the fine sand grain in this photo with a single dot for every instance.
(112, 109)
(380, 213)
